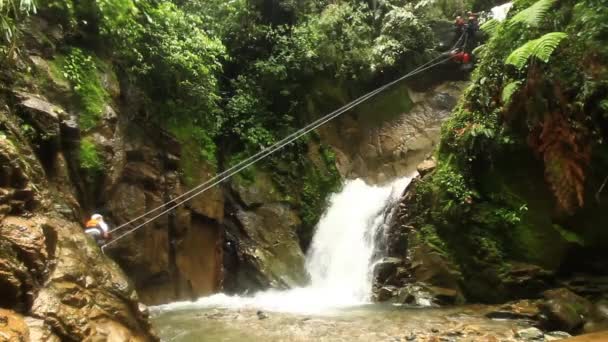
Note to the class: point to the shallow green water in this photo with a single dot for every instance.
(364, 323)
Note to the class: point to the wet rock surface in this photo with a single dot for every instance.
(564, 310)
(389, 139)
(262, 247)
(53, 277)
(425, 276)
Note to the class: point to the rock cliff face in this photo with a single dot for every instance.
(397, 130)
(50, 272)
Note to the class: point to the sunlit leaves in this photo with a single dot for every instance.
(541, 49)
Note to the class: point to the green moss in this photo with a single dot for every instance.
(319, 183)
(197, 148)
(82, 71)
(428, 234)
(385, 107)
(90, 159)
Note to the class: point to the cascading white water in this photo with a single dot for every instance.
(500, 12)
(339, 261)
(340, 257)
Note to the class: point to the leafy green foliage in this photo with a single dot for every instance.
(81, 70)
(490, 27)
(509, 90)
(228, 78)
(533, 15)
(403, 36)
(90, 160)
(11, 13)
(541, 49)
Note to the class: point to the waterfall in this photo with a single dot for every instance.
(500, 12)
(340, 259)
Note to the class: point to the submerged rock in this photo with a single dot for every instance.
(530, 334)
(523, 309)
(556, 335)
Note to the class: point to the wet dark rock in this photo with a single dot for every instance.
(262, 248)
(527, 280)
(424, 295)
(386, 267)
(522, 310)
(261, 315)
(598, 319)
(385, 293)
(564, 310)
(587, 285)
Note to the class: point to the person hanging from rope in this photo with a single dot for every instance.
(465, 40)
(459, 27)
(458, 52)
(472, 28)
(98, 229)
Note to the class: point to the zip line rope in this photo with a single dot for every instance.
(257, 154)
(266, 152)
(279, 142)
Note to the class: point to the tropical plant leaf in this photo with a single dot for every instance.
(490, 26)
(540, 48)
(509, 90)
(478, 50)
(533, 15)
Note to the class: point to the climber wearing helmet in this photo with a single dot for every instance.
(97, 229)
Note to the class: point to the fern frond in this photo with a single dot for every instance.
(546, 44)
(533, 15)
(540, 48)
(509, 90)
(478, 50)
(520, 56)
(490, 26)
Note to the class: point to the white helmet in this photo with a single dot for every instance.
(97, 217)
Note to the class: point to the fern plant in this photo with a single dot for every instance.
(541, 48)
(533, 15)
(509, 90)
(490, 27)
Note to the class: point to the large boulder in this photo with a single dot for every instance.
(262, 248)
(564, 310)
(67, 280)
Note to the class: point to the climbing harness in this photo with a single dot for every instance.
(266, 151)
